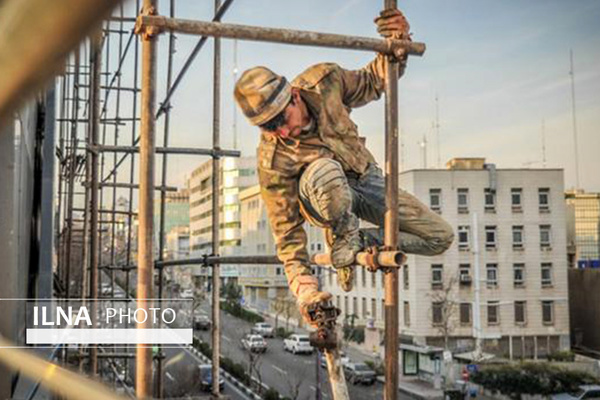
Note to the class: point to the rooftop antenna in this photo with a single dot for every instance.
(544, 143)
(572, 74)
(437, 129)
(235, 74)
(423, 144)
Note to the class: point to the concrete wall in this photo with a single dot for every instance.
(584, 307)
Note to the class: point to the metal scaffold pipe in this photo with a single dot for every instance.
(94, 126)
(391, 222)
(275, 35)
(143, 368)
(216, 278)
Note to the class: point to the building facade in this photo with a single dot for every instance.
(236, 175)
(265, 287)
(583, 216)
(503, 280)
(177, 213)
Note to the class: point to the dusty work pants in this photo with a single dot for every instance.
(325, 193)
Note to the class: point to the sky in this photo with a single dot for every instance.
(500, 71)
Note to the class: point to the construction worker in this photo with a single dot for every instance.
(313, 165)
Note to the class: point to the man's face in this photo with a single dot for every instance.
(295, 118)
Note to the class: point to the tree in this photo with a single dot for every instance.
(443, 308)
(254, 365)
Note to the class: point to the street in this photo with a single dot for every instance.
(287, 373)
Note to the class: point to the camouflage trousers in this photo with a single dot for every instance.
(331, 197)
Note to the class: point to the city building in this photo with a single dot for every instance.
(265, 287)
(178, 243)
(236, 175)
(583, 219)
(503, 280)
(177, 213)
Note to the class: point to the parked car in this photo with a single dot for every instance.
(202, 322)
(585, 392)
(187, 294)
(298, 344)
(343, 357)
(359, 373)
(206, 378)
(254, 343)
(263, 329)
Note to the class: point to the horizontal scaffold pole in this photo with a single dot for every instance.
(171, 150)
(388, 259)
(276, 35)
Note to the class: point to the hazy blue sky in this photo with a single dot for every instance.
(498, 67)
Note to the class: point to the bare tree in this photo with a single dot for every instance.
(443, 308)
(254, 366)
(293, 383)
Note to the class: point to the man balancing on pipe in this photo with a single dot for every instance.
(313, 165)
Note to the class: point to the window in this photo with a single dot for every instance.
(545, 237)
(491, 275)
(519, 275)
(517, 237)
(493, 312)
(437, 313)
(520, 312)
(405, 276)
(364, 308)
(489, 196)
(406, 313)
(373, 280)
(463, 237)
(346, 308)
(464, 274)
(437, 272)
(330, 277)
(383, 309)
(364, 277)
(465, 313)
(373, 308)
(278, 271)
(548, 312)
(435, 199)
(546, 274)
(516, 199)
(490, 237)
(338, 302)
(544, 199)
(463, 201)
(355, 306)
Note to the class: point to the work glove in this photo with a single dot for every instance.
(309, 298)
(391, 24)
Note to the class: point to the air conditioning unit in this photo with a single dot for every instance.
(465, 279)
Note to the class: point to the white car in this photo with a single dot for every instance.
(263, 329)
(343, 358)
(298, 344)
(583, 393)
(187, 294)
(254, 343)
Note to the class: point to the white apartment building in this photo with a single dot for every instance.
(263, 284)
(236, 175)
(509, 248)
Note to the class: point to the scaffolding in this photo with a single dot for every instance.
(92, 156)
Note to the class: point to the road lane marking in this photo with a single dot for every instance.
(170, 376)
(280, 370)
(226, 338)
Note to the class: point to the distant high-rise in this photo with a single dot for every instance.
(583, 216)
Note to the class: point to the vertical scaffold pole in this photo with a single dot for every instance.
(391, 223)
(96, 65)
(143, 368)
(216, 269)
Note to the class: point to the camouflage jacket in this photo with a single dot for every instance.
(330, 93)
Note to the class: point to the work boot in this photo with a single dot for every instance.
(345, 243)
(308, 299)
